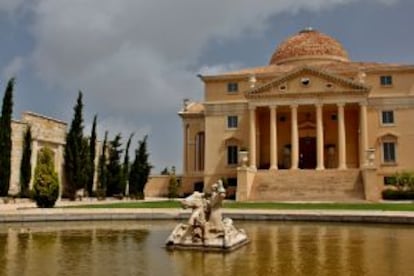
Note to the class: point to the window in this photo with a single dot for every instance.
(389, 152)
(387, 117)
(232, 152)
(232, 87)
(386, 80)
(232, 122)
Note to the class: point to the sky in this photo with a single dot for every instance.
(136, 60)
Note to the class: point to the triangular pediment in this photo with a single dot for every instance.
(307, 80)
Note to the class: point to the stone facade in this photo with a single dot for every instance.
(46, 131)
(312, 120)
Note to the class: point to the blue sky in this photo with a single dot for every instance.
(135, 60)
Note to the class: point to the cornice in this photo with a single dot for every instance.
(391, 102)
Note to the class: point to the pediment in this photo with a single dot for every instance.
(307, 80)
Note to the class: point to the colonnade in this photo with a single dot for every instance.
(295, 136)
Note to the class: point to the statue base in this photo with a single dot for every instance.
(201, 238)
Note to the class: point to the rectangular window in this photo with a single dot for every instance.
(232, 87)
(386, 80)
(232, 152)
(232, 121)
(387, 117)
(389, 152)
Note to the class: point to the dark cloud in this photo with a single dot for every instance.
(135, 60)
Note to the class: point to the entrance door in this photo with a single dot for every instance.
(307, 152)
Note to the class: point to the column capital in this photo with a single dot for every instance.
(251, 107)
(363, 103)
(319, 104)
(340, 104)
(273, 106)
(294, 106)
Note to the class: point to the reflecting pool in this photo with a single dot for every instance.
(137, 248)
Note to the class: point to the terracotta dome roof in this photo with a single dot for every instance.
(309, 44)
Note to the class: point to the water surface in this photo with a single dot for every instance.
(137, 248)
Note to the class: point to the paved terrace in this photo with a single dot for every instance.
(24, 211)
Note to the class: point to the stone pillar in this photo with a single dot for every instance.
(364, 134)
(33, 161)
(252, 140)
(294, 137)
(372, 189)
(341, 137)
(185, 148)
(319, 139)
(245, 178)
(273, 138)
(59, 163)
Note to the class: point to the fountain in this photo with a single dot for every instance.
(206, 230)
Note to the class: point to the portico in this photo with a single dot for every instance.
(293, 130)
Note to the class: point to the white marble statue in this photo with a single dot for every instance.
(206, 229)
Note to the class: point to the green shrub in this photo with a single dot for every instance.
(397, 194)
(173, 186)
(46, 183)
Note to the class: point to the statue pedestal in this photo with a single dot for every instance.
(206, 230)
(189, 237)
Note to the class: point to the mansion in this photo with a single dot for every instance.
(310, 125)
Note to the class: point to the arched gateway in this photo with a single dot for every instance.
(307, 120)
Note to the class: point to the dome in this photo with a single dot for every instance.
(309, 44)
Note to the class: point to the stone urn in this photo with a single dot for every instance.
(243, 157)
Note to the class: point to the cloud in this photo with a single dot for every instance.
(219, 68)
(131, 53)
(13, 68)
(10, 6)
(136, 58)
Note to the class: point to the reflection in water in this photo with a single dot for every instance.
(136, 248)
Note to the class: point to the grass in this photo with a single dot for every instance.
(265, 205)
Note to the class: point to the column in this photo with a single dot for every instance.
(319, 138)
(364, 133)
(341, 137)
(252, 140)
(60, 161)
(294, 137)
(185, 148)
(33, 161)
(273, 138)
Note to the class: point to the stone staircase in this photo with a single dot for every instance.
(307, 185)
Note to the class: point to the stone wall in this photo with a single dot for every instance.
(46, 131)
(157, 186)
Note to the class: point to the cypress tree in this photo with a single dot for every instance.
(92, 154)
(140, 170)
(102, 173)
(114, 168)
(125, 166)
(25, 165)
(73, 152)
(85, 162)
(5, 138)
